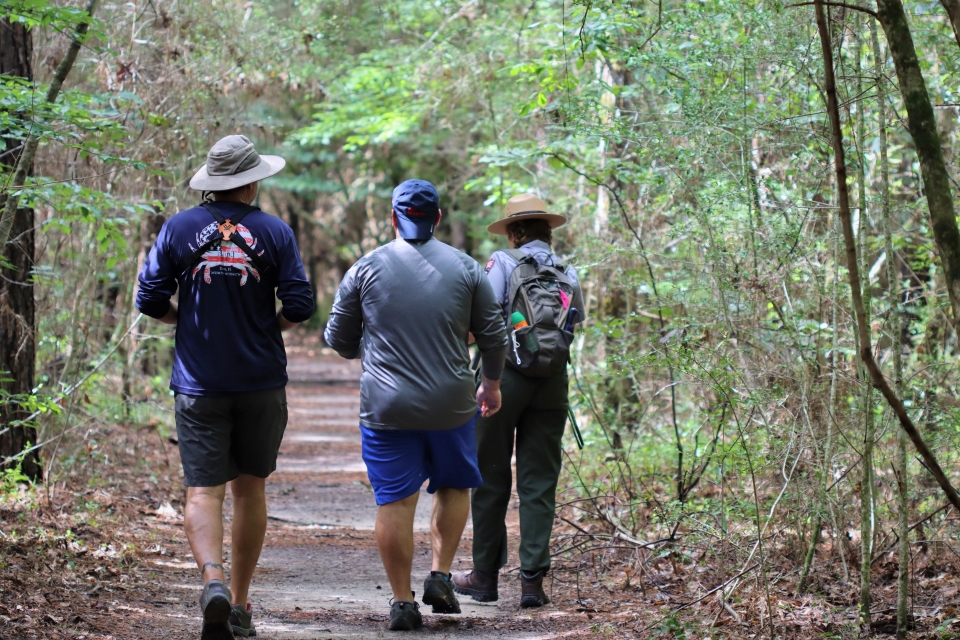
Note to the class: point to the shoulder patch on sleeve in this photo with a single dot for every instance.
(490, 263)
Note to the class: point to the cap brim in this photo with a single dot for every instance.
(500, 226)
(269, 165)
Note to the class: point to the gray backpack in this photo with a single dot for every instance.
(542, 293)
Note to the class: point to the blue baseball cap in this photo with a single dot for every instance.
(416, 203)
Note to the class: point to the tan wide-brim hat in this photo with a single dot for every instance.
(232, 163)
(525, 207)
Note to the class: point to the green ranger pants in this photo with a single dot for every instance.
(535, 409)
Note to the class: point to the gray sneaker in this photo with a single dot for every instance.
(215, 605)
(241, 619)
(438, 591)
(405, 616)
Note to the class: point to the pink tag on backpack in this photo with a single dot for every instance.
(564, 299)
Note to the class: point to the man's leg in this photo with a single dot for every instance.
(395, 541)
(450, 510)
(249, 529)
(204, 426)
(203, 523)
(494, 451)
(259, 420)
(539, 435)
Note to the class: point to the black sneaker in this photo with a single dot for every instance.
(438, 591)
(215, 605)
(405, 616)
(241, 619)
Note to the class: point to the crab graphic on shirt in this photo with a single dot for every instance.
(227, 255)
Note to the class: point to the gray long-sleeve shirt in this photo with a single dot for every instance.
(406, 310)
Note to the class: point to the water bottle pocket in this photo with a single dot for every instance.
(524, 347)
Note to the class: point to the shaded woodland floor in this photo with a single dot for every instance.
(106, 556)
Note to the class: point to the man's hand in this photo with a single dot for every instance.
(171, 317)
(488, 397)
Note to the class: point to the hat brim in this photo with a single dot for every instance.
(500, 226)
(269, 165)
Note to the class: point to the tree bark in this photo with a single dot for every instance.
(923, 128)
(853, 270)
(953, 11)
(17, 305)
(25, 162)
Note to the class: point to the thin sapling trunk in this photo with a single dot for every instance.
(894, 322)
(869, 427)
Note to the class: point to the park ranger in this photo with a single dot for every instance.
(541, 302)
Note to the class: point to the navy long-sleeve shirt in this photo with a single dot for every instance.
(228, 337)
(406, 310)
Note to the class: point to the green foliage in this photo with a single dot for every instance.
(15, 486)
(43, 13)
(387, 108)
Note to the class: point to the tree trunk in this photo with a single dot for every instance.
(17, 307)
(953, 10)
(25, 162)
(853, 269)
(926, 139)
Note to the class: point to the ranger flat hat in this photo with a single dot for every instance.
(232, 163)
(524, 207)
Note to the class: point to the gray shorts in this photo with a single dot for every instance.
(223, 436)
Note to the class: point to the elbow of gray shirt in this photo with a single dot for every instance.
(344, 348)
(493, 362)
(493, 352)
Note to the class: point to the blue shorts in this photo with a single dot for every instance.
(398, 462)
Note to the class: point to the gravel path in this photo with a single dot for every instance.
(320, 574)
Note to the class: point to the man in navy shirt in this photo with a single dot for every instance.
(230, 262)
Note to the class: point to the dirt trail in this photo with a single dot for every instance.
(320, 574)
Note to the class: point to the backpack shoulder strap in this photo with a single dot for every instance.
(228, 227)
(522, 257)
(194, 257)
(235, 219)
(225, 229)
(518, 255)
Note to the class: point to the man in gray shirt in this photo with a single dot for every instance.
(407, 310)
